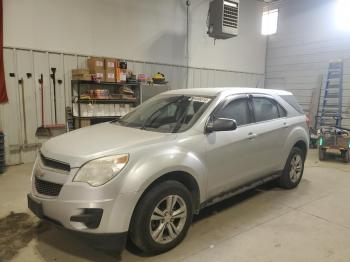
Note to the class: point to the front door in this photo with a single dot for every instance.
(229, 153)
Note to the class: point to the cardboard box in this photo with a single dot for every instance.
(95, 63)
(98, 74)
(83, 122)
(85, 77)
(109, 76)
(110, 63)
(80, 71)
(81, 74)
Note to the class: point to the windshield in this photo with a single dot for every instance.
(167, 114)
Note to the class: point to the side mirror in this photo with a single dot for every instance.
(221, 124)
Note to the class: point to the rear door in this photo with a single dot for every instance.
(270, 131)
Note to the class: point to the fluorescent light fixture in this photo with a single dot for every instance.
(269, 22)
(342, 14)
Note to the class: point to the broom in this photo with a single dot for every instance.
(42, 130)
(55, 129)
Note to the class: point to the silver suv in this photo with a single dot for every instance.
(146, 174)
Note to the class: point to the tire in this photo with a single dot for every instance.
(346, 156)
(142, 226)
(321, 154)
(293, 170)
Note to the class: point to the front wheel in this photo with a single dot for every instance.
(293, 170)
(162, 218)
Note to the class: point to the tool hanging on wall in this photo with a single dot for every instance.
(42, 130)
(54, 129)
(25, 142)
(58, 128)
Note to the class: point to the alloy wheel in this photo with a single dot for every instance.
(168, 219)
(296, 166)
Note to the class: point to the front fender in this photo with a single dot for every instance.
(149, 168)
(152, 166)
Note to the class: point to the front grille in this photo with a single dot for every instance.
(54, 163)
(47, 188)
(230, 14)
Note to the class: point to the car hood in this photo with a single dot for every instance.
(79, 146)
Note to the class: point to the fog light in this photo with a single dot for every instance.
(91, 217)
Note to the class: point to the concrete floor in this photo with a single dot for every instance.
(310, 223)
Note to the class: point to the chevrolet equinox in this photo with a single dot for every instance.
(146, 174)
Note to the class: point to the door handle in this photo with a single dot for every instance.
(251, 136)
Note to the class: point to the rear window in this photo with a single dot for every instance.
(293, 102)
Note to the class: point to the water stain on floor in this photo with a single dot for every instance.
(16, 231)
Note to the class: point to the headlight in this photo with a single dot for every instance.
(99, 171)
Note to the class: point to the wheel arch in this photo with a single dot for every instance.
(182, 177)
(301, 144)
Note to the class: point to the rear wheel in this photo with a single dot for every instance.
(293, 170)
(162, 218)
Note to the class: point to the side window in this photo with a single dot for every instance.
(265, 109)
(281, 110)
(237, 110)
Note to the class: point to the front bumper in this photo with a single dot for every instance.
(106, 241)
(78, 206)
(88, 216)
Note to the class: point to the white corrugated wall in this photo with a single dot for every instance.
(298, 55)
(36, 62)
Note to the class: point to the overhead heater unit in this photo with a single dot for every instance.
(222, 19)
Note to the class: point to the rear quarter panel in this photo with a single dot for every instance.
(297, 131)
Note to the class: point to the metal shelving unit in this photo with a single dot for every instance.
(78, 88)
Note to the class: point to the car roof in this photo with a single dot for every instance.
(215, 91)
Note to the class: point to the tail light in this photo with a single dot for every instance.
(308, 122)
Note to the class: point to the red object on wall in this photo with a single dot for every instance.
(3, 93)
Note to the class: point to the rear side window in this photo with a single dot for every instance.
(265, 109)
(293, 102)
(238, 110)
(281, 110)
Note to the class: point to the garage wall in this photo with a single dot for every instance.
(307, 40)
(36, 62)
(151, 35)
(149, 30)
